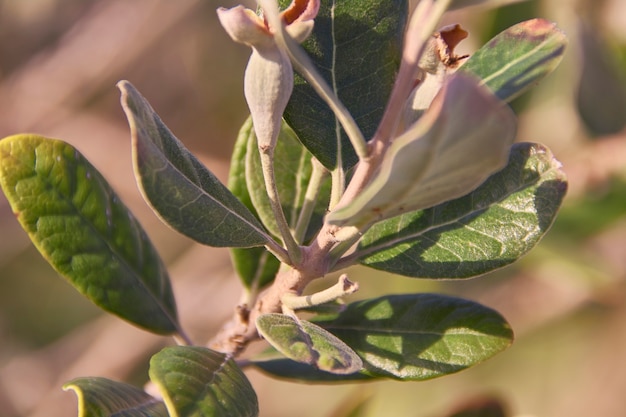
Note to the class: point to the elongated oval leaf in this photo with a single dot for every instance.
(356, 46)
(460, 140)
(518, 58)
(295, 371)
(489, 228)
(85, 232)
(420, 336)
(307, 343)
(99, 397)
(256, 267)
(185, 194)
(199, 382)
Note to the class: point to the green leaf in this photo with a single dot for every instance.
(487, 229)
(99, 397)
(299, 372)
(356, 46)
(185, 194)
(85, 232)
(420, 336)
(199, 382)
(460, 140)
(518, 58)
(307, 343)
(256, 267)
(293, 168)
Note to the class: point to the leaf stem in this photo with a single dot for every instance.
(310, 199)
(302, 63)
(342, 288)
(267, 164)
(422, 25)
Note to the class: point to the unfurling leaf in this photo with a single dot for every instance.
(462, 138)
(307, 343)
(518, 58)
(185, 194)
(99, 397)
(85, 232)
(485, 230)
(199, 382)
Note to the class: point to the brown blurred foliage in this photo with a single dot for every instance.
(59, 62)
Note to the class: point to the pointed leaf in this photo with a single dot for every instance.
(102, 397)
(420, 336)
(460, 140)
(85, 232)
(185, 194)
(199, 382)
(491, 227)
(356, 46)
(518, 58)
(307, 343)
(256, 267)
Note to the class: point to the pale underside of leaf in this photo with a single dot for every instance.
(462, 138)
(485, 230)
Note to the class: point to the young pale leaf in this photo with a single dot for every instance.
(299, 372)
(102, 397)
(518, 58)
(185, 194)
(256, 267)
(199, 382)
(356, 46)
(85, 232)
(293, 168)
(489, 228)
(307, 343)
(420, 336)
(460, 140)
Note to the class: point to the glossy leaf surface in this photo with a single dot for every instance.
(459, 141)
(199, 382)
(356, 46)
(185, 194)
(491, 227)
(85, 232)
(256, 267)
(99, 397)
(307, 343)
(420, 336)
(518, 58)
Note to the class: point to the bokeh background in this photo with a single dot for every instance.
(59, 62)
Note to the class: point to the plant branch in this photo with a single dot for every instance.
(267, 164)
(310, 199)
(342, 288)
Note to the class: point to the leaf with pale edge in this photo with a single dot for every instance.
(85, 232)
(200, 382)
(409, 337)
(256, 267)
(518, 58)
(185, 194)
(99, 397)
(460, 140)
(307, 343)
(487, 229)
(356, 46)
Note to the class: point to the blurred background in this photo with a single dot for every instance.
(566, 300)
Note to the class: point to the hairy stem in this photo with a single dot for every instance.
(267, 164)
(310, 199)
